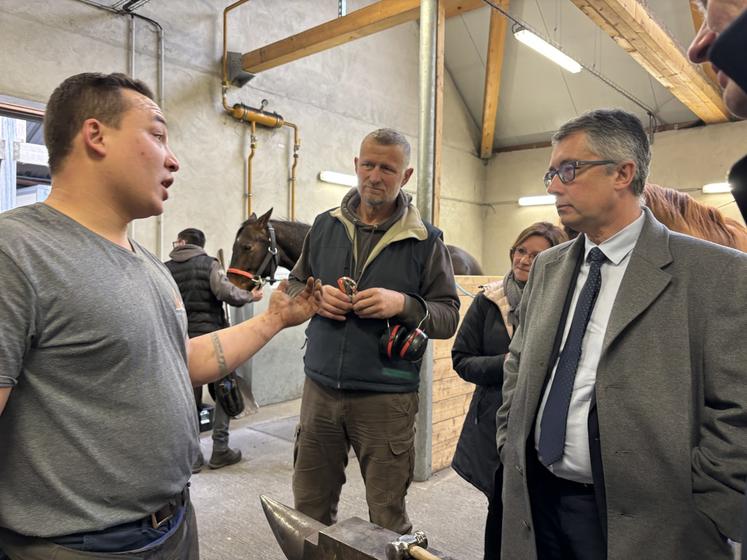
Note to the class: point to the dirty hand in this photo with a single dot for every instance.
(298, 309)
(378, 303)
(334, 304)
(257, 293)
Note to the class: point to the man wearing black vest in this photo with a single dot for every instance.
(354, 394)
(204, 287)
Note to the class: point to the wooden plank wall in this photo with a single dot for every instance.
(451, 395)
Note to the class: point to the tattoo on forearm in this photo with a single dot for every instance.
(218, 347)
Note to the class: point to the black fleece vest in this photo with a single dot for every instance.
(345, 354)
(204, 310)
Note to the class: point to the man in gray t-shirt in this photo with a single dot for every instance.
(97, 420)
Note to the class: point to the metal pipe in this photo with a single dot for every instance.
(100, 6)
(296, 146)
(248, 191)
(131, 72)
(426, 157)
(242, 112)
(427, 112)
(132, 47)
(161, 94)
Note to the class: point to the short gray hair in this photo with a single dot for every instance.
(616, 135)
(390, 137)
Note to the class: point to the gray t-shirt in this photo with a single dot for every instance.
(100, 427)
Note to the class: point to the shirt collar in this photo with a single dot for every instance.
(619, 246)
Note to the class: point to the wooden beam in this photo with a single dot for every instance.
(371, 19)
(632, 27)
(493, 66)
(438, 133)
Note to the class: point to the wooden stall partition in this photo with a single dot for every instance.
(451, 395)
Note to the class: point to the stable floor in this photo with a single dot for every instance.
(232, 524)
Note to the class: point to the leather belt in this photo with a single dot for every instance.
(167, 512)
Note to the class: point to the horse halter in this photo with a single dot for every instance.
(271, 257)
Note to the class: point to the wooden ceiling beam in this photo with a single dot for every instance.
(632, 27)
(371, 19)
(493, 66)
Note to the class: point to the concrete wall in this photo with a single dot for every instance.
(682, 159)
(335, 97)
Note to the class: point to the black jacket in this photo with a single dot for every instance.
(403, 254)
(477, 355)
(203, 286)
(204, 310)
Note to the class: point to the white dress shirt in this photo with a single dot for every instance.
(576, 463)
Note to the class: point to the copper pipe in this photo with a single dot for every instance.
(242, 112)
(224, 82)
(296, 146)
(253, 147)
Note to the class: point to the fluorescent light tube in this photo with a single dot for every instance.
(716, 188)
(547, 50)
(542, 200)
(338, 178)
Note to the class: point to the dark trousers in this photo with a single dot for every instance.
(566, 517)
(182, 544)
(380, 429)
(494, 522)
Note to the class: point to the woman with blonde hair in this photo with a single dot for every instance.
(478, 354)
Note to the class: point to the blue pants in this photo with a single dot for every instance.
(178, 543)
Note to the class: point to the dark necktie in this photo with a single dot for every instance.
(555, 414)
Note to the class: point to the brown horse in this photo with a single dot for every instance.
(253, 253)
(681, 212)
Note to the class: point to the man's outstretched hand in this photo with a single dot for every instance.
(293, 311)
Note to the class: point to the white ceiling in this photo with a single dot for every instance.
(536, 95)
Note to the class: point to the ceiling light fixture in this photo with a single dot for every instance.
(716, 188)
(541, 200)
(546, 49)
(338, 178)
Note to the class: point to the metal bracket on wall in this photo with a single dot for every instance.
(236, 74)
(35, 154)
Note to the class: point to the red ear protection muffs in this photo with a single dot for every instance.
(400, 342)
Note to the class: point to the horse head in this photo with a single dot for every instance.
(254, 254)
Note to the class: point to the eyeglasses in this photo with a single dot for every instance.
(521, 253)
(175, 244)
(567, 170)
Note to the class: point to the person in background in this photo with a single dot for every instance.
(478, 354)
(720, 15)
(204, 287)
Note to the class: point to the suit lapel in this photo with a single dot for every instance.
(558, 274)
(644, 278)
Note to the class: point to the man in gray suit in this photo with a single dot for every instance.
(623, 426)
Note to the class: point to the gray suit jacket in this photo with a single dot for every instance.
(671, 394)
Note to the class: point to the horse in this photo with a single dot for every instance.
(682, 213)
(263, 244)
